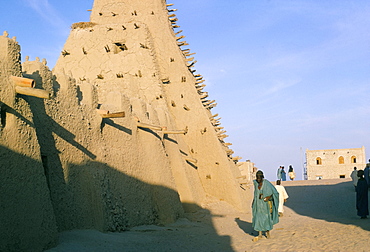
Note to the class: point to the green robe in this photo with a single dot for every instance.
(263, 219)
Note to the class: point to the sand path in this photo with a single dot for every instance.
(319, 216)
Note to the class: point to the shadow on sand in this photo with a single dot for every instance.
(327, 201)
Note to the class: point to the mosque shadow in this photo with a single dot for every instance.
(329, 202)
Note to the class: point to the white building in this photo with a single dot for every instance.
(336, 163)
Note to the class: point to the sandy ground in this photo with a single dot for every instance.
(319, 216)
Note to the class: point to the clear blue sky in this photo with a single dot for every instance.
(287, 75)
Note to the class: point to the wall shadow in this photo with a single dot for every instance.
(104, 199)
(150, 132)
(27, 217)
(329, 202)
(110, 122)
(94, 195)
(115, 202)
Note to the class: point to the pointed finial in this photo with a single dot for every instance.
(27, 58)
(5, 34)
(37, 59)
(44, 61)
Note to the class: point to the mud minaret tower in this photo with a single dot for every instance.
(133, 55)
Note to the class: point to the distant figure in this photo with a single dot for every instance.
(279, 173)
(366, 174)
(282, 197)
(362, 203)
(291, 172)
(283, 174)
(354, 177)
(264, 206)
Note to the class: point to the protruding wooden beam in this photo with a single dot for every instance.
(182, 43)
(202, 131)
(204, 95)
(166, 81)
(181, 37)
(212, 106)
(237, 158)
(113, 115)
(40, 93)
(23, 82)
(102, 111)
(148, 126)
(192, 63)
(200, 87)
(189, 54)
(228, 144)
(65, 53)
(165, 131)
(190, 159)
(229, 152)
(169, 4)
(208, 102)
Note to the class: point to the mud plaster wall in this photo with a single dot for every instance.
(27, 218)
(109, 174)
(151, 68)
(99, 171)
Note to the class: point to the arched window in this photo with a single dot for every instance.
(353, 160)
(341, 160)
(318, 161)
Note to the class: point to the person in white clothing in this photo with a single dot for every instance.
(354, 177)
(282, 197)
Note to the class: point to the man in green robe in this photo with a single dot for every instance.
(265, 206)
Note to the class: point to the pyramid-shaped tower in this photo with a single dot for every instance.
(133, 55)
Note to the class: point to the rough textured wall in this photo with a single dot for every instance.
(100, 174)
(130, 49)
(330, 167)
(27, 218)
(167, 154)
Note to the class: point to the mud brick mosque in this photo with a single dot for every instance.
(120, 133)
